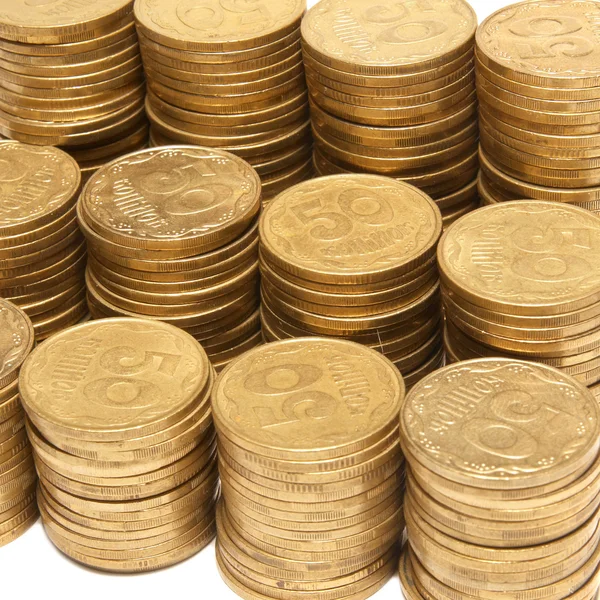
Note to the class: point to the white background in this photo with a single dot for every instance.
(31, 567)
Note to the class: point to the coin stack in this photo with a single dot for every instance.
(173, 235)
(18, 508)
(392, 92)
(42, 251)
(538, 78)
(311, 470)
(71, 76)
(522, 279)
(230, 75)
(354, 256)
(120, 422)
(503, 480)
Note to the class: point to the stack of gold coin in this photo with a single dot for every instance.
(353, 256)
(18, 508)
(503, 479)
(120, 422)
(42, 251)
(392, 91)
(538, 77)
(311, 470)
(71, 76)
(522, 279)
(230, 75)
(173, 235)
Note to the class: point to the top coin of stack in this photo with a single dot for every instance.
(503, 483)
(230, 75)
(522, 279)
(354, 256)
(392, 91)
(71, 76)
(172, 235)
(18, 508)
(42, 251)
(538, 77)
(120, 422)
(311, 470)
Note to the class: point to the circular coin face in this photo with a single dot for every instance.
(114, 377)
(172, 197)
(544, 40)
(501, 423)
(37, 184)
(308, 395)
(204, 25)
(359, 228)
(16, 341)
(524, 257)
(388, 34)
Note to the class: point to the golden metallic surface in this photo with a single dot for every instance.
(395, 38)
(17, 339)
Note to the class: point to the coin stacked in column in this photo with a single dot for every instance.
(42, 251)
(522, 279)
(503, 480)
(18, 508)
(538, 76)
(119, 418)
(230, 75)
(311, 470)
(354, 256)
(173, 236)
(392, 91)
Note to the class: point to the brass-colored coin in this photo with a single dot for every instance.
(20, 525)
(387, 47)
(101, 367)
(504, 473)
(307, 442)
(17, 339)
(370, 201)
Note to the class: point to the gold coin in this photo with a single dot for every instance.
(394, 39)
(227, 29)
(16, 341)
(20, 524)
(304, 437)
(352, 214)
(503, 471)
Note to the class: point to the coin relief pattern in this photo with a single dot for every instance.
(16, 339)
(500, 419)
(307, 394)
(386, 32)
(174, 193)
(545, 38)
(95, 376)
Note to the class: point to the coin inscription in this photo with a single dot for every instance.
(16, 339)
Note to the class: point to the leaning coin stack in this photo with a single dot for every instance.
(172, 235)
(42, 251)
(522, 279)
(392, 91)
(538, 77)
(120, 422)
(71, 76)
(18, 508)
(311, 470)
(353, 256)
(503, 481)
(230, 75)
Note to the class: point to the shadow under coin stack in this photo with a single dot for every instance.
(126, 454)
(172, 236)
(42, 251)
(18, 508)
(230, 75)
(502, 484)
(71, 76)
(392, 91)
(538, 77)
(353, 256)
(311, 470)
(522, 279)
